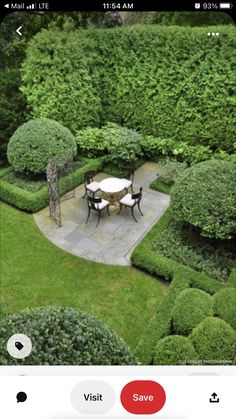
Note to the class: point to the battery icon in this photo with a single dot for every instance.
(225, 5)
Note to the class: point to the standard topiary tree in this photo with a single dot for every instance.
(64, 336)
(191, 307)
(174, 350)
(205, 196)
(225, 305)
(37, 141)
(215, 341)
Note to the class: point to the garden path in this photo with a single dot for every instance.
(113, 241)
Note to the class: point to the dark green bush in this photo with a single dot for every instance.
(23, 181)
(215, 341)
(205, 196)
(64, 336)
(34, 201)
(174, 350)
(145, 77)
(184, 244)
(191, 307)
(225, 305)
(170, 170)
(36, 142)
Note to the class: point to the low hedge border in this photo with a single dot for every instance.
(180, 276)
(159, 185)
(33, 202)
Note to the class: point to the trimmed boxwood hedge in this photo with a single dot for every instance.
(191, 307)
(180, 276)
(175, 350)
(33, 202)
(64, 336)
(215, 341)
(225, 305)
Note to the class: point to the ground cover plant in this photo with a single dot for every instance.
(37, 273)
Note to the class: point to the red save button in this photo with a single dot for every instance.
(143, 397)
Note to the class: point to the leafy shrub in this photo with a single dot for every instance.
(183, 243)
(170, 170)
(205, 196)
(225, 305)
(145, 77)
(23, 181)
(37, 141)
(174, 350)
(191, 307)
(91, 142)
(215, 341)
(34, 201)
(64, 336)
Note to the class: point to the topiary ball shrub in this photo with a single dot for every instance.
(174, 350)
(215, 341)
(225, 305)
(191, 307)
(205, 196)
(37, 141)
(64, 336)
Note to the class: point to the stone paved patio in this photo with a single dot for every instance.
(114, 239)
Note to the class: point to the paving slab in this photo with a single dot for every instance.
(113, 241)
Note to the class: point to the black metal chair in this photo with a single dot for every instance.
(130, 201)
(90, 185)
(129, 178)
(98, 205)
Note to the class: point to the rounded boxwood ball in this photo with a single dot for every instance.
(64, 336)
(225, 305)
(191, 307)
(215, 341)
(205, 196)
(38, 140)
(174, 350)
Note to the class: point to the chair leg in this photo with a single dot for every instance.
(84, 194)
(119, 209)
(132, 211)
(108, 210)
(88, 216)
(99, 215)
(132, 189)
(140, 209)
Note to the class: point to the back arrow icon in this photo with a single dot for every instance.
(18, 30)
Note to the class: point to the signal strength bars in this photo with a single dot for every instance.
(31, 6)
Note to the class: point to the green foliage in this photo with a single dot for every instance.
(23, 181)
(188, 18)
(159, 185)
(64, 336)
(205, 196)
(215, 341)
(155, 148)
(191, 307)
(184, 244)
(37, 141)
(167, 82)
(12, 107)
(34, 201)
(3, 309)
(170, 170)
(174, 350)
(120, 145)
(225, 305)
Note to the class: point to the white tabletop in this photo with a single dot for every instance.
(112, 185)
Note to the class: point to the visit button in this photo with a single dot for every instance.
(143, 397)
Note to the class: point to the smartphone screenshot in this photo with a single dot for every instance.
(118, 210)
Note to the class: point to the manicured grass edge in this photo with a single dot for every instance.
(35, 201)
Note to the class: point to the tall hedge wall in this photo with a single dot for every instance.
(167, 81)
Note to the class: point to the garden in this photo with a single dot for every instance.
(142, 95)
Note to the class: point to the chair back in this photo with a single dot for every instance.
(129, 173)
(137, 196)
(88, 177)
(93, 201)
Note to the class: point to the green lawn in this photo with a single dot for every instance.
(37, 273)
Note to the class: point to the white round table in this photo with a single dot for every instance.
(112, 189)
